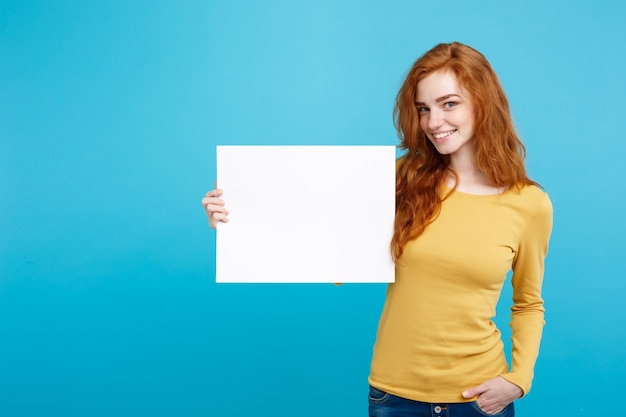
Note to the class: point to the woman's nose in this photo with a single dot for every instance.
(435, 120)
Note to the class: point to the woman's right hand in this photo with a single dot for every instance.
(214, 207)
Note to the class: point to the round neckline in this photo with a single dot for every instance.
(455, 191)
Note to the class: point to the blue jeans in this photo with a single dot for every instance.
(383, 404)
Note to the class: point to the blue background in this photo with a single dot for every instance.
(109, 116)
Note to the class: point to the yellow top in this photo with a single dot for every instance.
(436, 336)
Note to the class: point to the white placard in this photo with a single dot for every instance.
(304, 214)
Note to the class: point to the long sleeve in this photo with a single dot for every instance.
(527, 312)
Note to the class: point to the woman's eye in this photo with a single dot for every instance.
(422, 110)
(449, 104)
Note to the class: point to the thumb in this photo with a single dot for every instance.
(473, 392)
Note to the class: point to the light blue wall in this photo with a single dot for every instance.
(109, 116)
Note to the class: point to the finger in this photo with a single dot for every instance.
(212, 200)
(212, 209)
(220, 217)
(475, 391)
(493, 408)
(217, 218)
(214, 193)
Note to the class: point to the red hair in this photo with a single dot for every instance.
(422, 171)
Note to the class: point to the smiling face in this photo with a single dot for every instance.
(446, 114)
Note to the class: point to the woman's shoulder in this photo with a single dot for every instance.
(531, 198)
(533, 192)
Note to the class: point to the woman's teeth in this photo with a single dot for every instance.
(444, 134)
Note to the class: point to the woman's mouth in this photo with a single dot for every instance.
(443, 135)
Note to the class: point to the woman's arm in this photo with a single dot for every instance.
(527, 312)
(527, 315)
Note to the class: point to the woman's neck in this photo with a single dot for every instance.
(469, 178)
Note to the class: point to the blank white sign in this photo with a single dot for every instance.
(304, 214)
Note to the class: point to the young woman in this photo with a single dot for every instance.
(466, 214)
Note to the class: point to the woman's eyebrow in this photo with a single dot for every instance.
(440, 99)
(446, 97)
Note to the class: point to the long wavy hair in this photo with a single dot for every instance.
(421, 173)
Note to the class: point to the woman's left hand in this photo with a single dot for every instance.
(494, 395)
